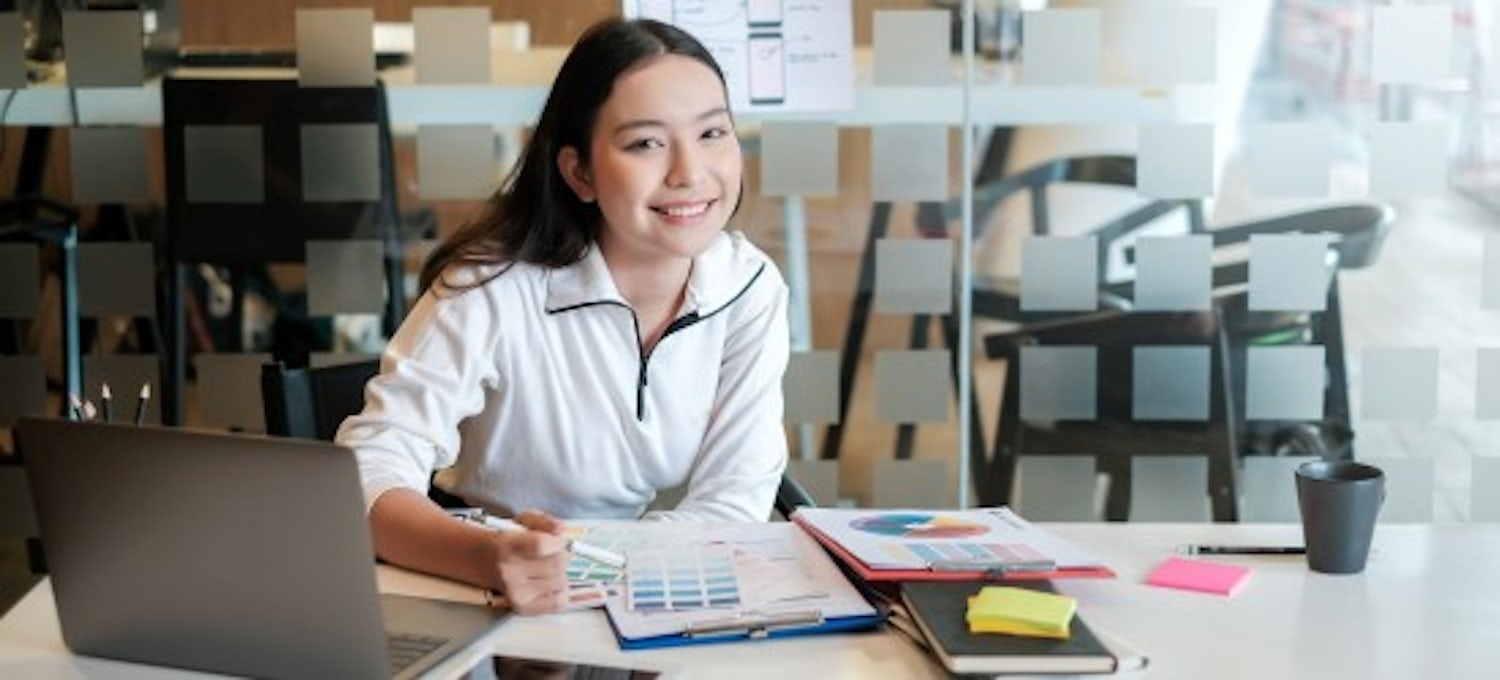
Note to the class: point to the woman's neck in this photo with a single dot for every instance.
(654, 290)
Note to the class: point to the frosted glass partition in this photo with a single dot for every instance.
(811, 387)
(1411, 44)
(1288, 272)
(1284, 383)
(913, 276)
(457, 162)
(911, 47)
(1290, 159)
(340, 162)
(344, 277)
(1408, 490)
(452, 45)
(1169, 489)
(103, 48)
(1059, 383)
(1487, 388)
(1408, 159)
(909, 163)
(799, 159)
(20, 280)
(1170, 383)
(1173, 273)
(819, 478)
(1057, 488)
(1176, 161)
(23, 392)
(1489, 295)
(1174, 45)
(12, 61)
(1399, 383)
(225, 163)
(1484, 497)
(229, 393)
(336, 47)
(912, 386)
(1268, 488)
(911, 484)
(1062, 47)
(108, 165)
(116, 279)
(1059, 273)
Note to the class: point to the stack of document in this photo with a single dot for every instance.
(1021, 611)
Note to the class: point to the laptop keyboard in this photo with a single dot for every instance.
(403, 649)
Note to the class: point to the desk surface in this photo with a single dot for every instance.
(1428, 605)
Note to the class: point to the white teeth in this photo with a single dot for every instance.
(685, 211)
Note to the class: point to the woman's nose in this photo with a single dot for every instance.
(686, 168)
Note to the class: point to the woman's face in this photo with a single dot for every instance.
(664, 165)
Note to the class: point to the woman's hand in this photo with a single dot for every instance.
(529, 568)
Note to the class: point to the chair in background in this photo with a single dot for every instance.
(313, 402)
(1228, 329)
(997, 298)
(252, 219)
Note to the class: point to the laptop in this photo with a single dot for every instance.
(230, 553)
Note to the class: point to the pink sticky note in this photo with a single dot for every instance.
(1207, 577)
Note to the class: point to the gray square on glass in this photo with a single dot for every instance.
(336, 47)
(225, 163)
(911, 484)
(1411, 44)
(1284, 383)
(1485, 507)
(799, 159)
(1290, 159)
(1399, 383)
(1288, 272)
(1059, 383)
(12, 58)
(340, 162)
(1173, 274)
(1059, 273)
(1062, 46)
(104, 48)
(909, 162)
(1170, 383)
(345, 277)
(452, 45)
(1487, 379)
(913, 276)
(125, 373)
(23, 391)
(20, 281)
(811, 387)
(1268, 488)
(1176, 161)
(116, 279)
(912, 386)
(1408, 490)
(109, 164)
(1408, 159)
(1169, 489)
(911, 47)
(229, 390)
(820, 478)
(1176, 45)
(456, 161)
(1056, 488)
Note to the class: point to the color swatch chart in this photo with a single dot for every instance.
(928, 553)
(679, 580)
(619, 539)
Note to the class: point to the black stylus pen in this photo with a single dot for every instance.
(1241, 550)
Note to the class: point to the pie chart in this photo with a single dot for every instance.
(918, 525)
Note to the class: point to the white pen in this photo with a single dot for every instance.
(595, 553)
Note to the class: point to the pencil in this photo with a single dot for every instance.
(141, 403)
(106, 401)
(75, 407)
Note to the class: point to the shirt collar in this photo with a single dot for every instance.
(719, 274)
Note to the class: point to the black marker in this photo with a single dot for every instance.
(106, 401)
(1241, 550)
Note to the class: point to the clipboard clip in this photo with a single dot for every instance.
(993, 568)
(754, 626)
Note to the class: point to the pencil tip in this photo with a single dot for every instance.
(146, 390)
(104, 391)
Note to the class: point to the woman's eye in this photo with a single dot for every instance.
(643, 144)
(715, 133)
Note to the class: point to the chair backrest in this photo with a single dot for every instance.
(308, 164)
(312, 402)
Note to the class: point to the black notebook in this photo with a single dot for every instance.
(939, 608)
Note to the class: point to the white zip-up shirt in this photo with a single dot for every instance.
(534, 389)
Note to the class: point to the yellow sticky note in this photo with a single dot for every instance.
(1020, 611)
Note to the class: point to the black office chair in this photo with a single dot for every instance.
(313, 402)
(245, 234)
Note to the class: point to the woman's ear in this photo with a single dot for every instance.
(575, 174)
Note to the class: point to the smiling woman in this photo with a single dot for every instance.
(593, 337)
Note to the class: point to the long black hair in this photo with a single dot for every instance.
(535, 217)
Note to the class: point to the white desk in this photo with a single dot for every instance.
(1427, 606)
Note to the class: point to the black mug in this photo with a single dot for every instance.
(1340, 500)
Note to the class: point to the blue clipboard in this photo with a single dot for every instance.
(738, 629)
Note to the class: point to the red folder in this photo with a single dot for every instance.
(868, 573)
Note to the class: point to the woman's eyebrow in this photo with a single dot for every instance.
(627, 126)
